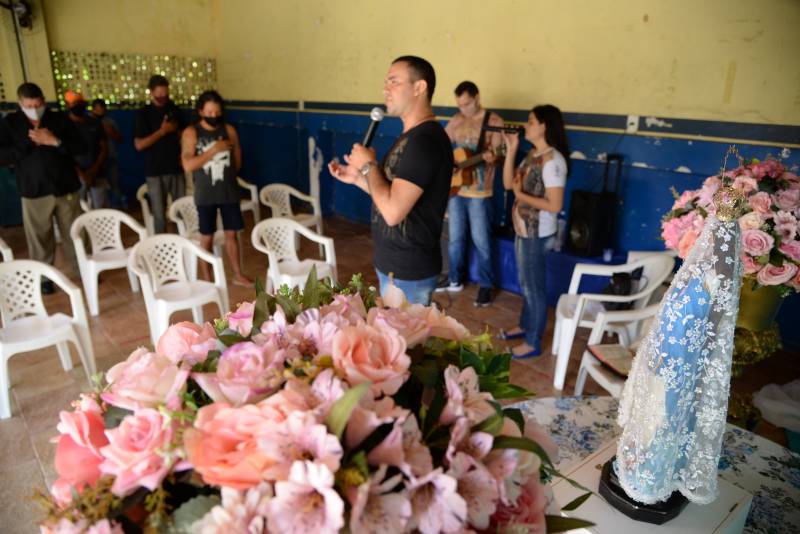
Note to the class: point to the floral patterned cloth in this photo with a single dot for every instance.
(769, 472)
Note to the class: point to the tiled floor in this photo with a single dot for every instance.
(40, 387)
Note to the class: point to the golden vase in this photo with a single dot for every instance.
(757, 336)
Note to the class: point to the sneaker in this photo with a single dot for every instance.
(450, 287)
(442, 284)
(484, 298)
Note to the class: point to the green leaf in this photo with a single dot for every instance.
(557, 523)
(503, 390)
(434, 411)
(524, 444)
(500, 364)
(470, 359)
(190, 512)
(342, 408)
(577, 502)
(515, 414)
(290, 307)
(427, 372)
(359, 460)
(311, 291)
(264, 308)
(231, 337)
(114, 416)
(492, 424)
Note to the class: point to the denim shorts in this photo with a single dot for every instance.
(231, 217)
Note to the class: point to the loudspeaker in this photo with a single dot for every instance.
(591, 227)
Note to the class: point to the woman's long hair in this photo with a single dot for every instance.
(554, 132)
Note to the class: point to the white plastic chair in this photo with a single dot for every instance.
(147, 215)
(8, 255)
(276, 237)
(27, 326)
(591, 366)
(250, 204)
(183, 212)
(278, 197)
(315, 163)
(108, 252)
(580, 310)
(160, 263)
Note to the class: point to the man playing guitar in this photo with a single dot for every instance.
(469, 209)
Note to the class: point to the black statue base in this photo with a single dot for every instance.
(658, 513)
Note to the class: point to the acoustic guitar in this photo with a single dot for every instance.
(464, 163)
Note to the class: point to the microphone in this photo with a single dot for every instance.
(377, 116)
(506, 129)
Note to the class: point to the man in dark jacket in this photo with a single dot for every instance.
(41, 144)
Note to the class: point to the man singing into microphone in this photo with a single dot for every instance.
(409, 189)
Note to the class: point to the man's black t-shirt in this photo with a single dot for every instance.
(411, 250)
(92, 132)
(164, 156)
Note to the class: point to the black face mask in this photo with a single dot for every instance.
(79, 110)
(213, 121)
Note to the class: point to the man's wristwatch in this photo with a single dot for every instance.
(364, 170)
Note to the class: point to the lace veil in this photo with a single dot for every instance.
(674, 404)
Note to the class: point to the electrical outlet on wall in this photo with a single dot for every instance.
(632, 126)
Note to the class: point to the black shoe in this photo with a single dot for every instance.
(484, 298)
(48, 288)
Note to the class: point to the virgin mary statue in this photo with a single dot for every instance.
(674, 404)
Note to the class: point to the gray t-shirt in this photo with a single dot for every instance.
(214, 182)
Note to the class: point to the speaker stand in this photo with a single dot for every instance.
(657, 514)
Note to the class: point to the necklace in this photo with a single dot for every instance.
(542, 152)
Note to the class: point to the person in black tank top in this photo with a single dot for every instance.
(211, 152)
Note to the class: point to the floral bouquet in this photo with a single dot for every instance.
(770, 228)
(321, 411)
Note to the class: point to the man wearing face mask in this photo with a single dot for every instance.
(157, 135)
(469, 210)
(41, 144)
(91, 165)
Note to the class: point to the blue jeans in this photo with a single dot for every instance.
(472, 213)
(417, 291)
(530, 254)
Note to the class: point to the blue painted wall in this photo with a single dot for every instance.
(274, 144)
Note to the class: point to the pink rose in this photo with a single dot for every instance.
(705, 195)
(78, 456)
(787, 199)
(761, 203)
(772, 275)
(687, 242)
(246, 373)
(137, 452)
(415, 330)
(791, 249)
(145, 380)
(745, 184)
(350, 307)
(223, 445)
(750, 221)
(751, 266)
(188, 342)
(673, 230)
(241, 320)
(685, 198)
(757, 243)
(365, 353)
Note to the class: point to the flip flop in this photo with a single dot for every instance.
(508, 337)
(530, 354)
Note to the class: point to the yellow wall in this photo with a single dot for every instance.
(175, 27)
(712, 59)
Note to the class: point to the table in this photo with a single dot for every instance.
(771, 473)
